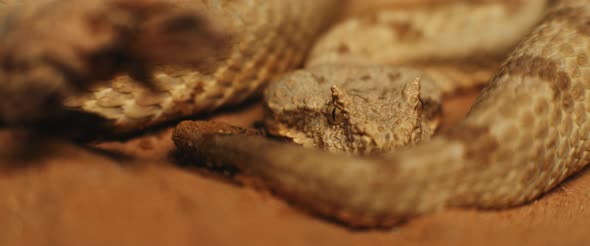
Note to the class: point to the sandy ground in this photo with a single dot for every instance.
(138, 193)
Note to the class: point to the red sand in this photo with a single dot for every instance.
(133, 193)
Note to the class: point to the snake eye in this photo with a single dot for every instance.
(335, 116)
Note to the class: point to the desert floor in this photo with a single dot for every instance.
(138, 192)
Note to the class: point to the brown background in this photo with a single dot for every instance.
(138, 193)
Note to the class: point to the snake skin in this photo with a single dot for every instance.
(526, 133)
(271, 37)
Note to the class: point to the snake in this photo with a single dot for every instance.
(264, 40)
(526, 132)
(271, 38)
(524, 135)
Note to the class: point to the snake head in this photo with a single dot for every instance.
(358, 110)
(362, 123)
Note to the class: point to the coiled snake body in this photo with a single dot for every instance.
(527, 132)
(270, 38)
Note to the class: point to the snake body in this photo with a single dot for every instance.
(270, 38)
(458, 43)
(273, 37)
(527, 132)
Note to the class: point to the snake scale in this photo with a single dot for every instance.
(526, 132)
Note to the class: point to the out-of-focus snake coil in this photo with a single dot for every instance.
(269, 38)
(527, 132)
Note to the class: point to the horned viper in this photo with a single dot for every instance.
(526, 133)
